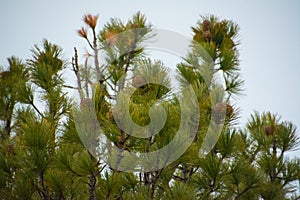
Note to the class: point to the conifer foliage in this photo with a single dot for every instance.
(47, 153)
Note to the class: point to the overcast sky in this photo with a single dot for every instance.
(270, 45)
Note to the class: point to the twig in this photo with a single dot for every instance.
(71, 87)
(37, 110)
(77, 73)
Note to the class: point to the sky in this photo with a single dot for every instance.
(269, 36)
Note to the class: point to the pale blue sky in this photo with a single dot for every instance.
(270, 44)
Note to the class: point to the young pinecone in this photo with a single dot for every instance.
(207, 36)
(206, 30)
(137, 81)
(269, 130)
(221, 111)
(5, 75)
(206, 26)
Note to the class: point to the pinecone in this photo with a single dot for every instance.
(206, 26)
(229, 111)
(269, 130)
(221, 111)
(137, 81)
(206, 30)
(207, 35)
(5, 75)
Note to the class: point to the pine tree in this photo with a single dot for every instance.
(31, 130)
(52, 147)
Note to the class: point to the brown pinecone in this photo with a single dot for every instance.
(206, 26)
(221, 111)
(207, 35)
(137, 81)
(5, 75)
(269, 130)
